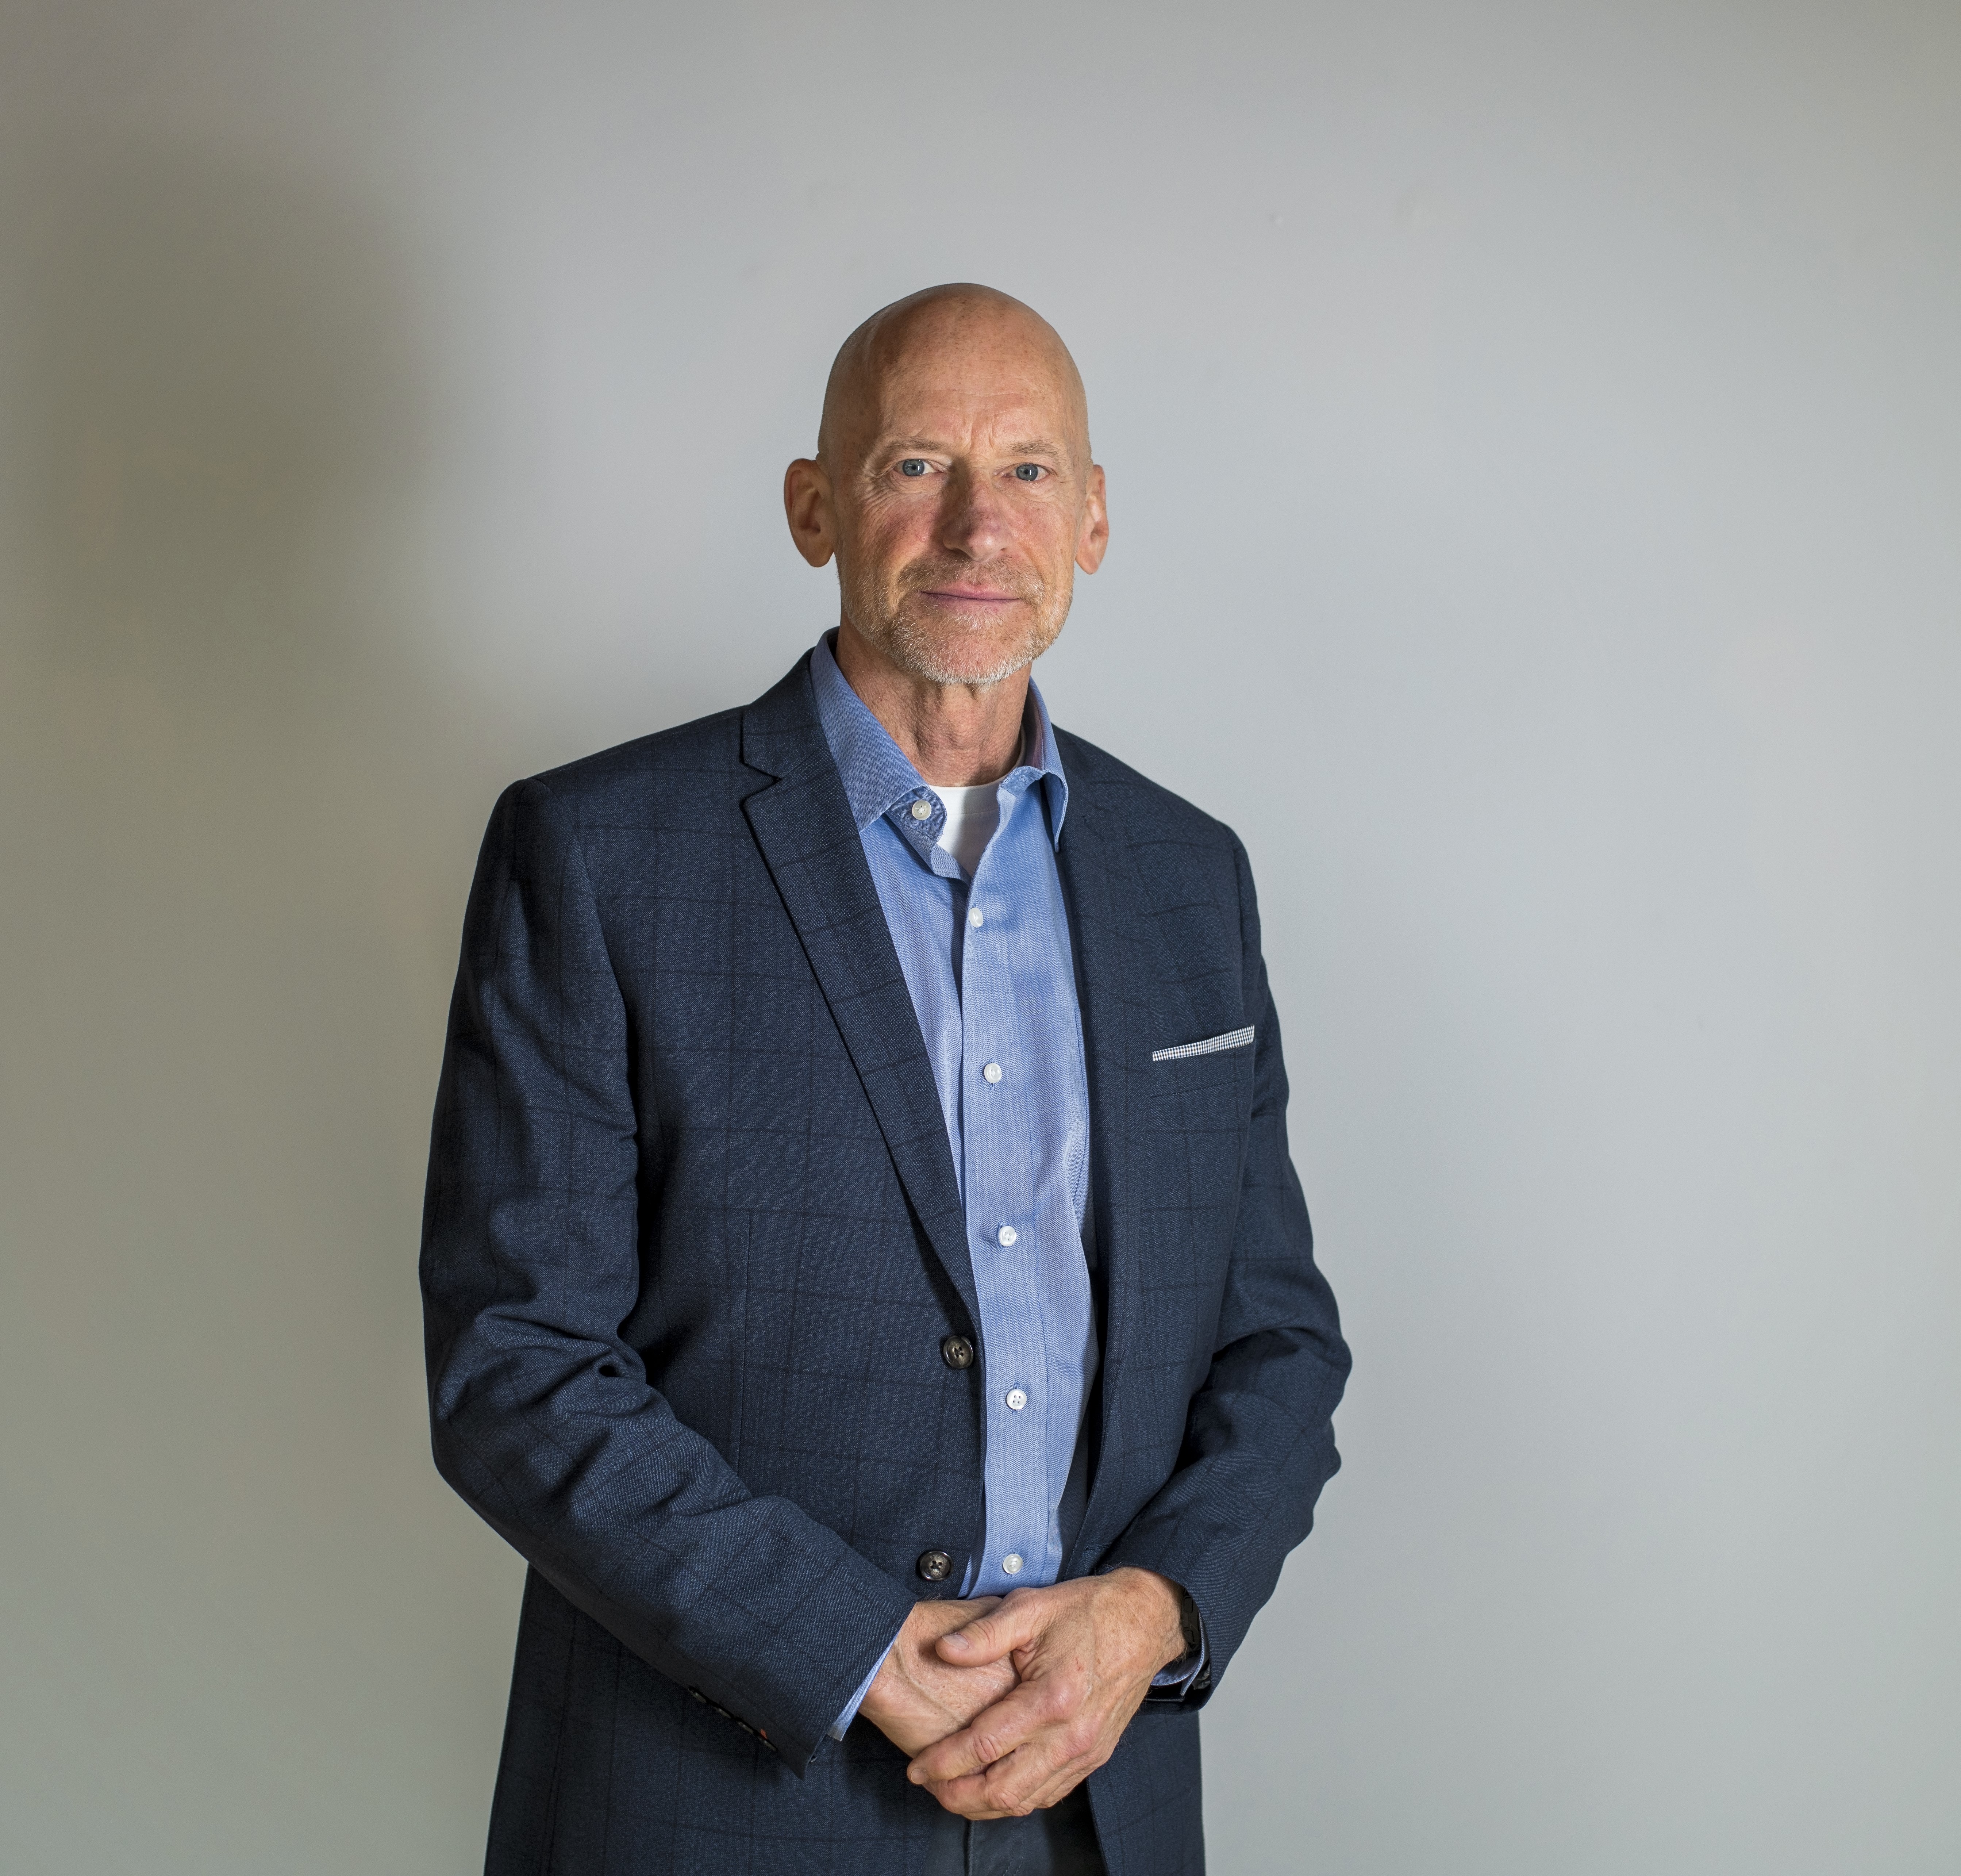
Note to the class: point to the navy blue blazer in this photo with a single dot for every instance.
(692, 1244)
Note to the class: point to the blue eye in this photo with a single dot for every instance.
(1027, 471)
(913, 466)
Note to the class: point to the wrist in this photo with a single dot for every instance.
(874, 1702)
(1163, 1606)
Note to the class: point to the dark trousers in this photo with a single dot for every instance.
(1060, 1841)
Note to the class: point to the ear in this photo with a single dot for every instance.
(1093, 536)
(807, 506)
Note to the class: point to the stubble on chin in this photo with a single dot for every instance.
(924, 643)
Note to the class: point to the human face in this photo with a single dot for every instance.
(963, 499)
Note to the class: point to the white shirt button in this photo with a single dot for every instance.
(1012, 1563)
(992, 1072)
(976, 918)
(921, 811)
(1007, 1237)
(1017, 1399)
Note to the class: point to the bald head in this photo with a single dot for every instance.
(953, 483)
(959, 331)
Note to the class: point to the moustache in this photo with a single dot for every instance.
(1018, 582)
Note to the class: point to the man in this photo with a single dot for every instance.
(864, 1275)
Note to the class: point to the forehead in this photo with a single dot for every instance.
(971, 376)
(956, 408)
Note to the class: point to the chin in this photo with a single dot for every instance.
(949, 644)
(945, 654)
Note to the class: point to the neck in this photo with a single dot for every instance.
(955, 734)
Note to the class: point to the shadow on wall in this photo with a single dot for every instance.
(223, 384)
(238, 819)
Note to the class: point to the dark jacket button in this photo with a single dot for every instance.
(957, 1352)
(934, 1565)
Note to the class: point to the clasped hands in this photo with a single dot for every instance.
(1006, 1703)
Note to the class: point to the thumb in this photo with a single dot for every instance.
(988, 1638)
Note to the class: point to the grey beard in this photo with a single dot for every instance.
(921, 652)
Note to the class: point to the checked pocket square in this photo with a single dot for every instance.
(1232, 1038)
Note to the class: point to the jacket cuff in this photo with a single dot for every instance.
(841, 1724)
(1178, 1678)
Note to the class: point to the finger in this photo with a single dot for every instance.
(1013, 1787)
(1009, 1790)
(993, 1636)
(992, 1734)
(967, 1798)
(1052, 1763)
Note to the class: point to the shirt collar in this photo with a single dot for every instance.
(877, 773)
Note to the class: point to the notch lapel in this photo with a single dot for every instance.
(803, 824)
(1103, 892)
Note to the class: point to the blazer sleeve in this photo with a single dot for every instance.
(1259, 1439)
(543, 1418)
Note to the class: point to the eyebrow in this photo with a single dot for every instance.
(1035, 446)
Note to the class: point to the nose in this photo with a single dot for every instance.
(972, 519)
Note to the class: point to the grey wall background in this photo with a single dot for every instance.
(1533, 433)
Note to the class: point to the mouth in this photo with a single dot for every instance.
(970, 596)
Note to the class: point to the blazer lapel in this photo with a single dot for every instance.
(802, 824)
(1103, 890)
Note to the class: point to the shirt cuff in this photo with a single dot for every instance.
(857, 1700)
(1177, 1676)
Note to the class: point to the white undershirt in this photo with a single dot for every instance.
(972, 815)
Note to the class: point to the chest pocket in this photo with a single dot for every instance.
(1203, 1084)
(1211, 1046)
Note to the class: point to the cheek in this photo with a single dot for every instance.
(892, 533)
(1049, 541)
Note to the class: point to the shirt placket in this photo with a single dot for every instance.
(1005, 1208)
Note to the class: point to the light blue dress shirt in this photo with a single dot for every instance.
(988, 965)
